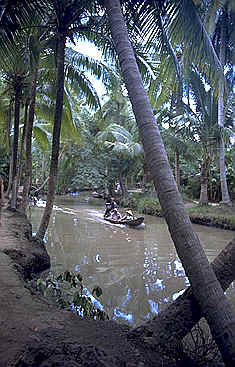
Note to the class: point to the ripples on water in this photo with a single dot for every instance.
(137, 269)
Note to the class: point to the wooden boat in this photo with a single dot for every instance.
(130, 222)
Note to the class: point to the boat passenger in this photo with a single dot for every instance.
(129, 215)
(114, 204)
(118, 187)
(109, 208)
(115, 214)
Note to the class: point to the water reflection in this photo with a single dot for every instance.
(138, 270)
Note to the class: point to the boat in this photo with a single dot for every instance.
(97, 195)
(130, 222)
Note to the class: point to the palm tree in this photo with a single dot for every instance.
(203, 129)
(68, 19)
(14, 16)
(119, 135)
(218, 19)
(20, 61)
(223, 27)
(175, 139)
(223, 43)
(122, 144)
(37, 41)
(206, 288)
(15, 67)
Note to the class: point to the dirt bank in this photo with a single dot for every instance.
(37, 334)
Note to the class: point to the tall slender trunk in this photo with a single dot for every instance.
(223, 179)
(10, 148)
(120, 178)
(9, 178)
(9, 117)
(29, 131)
(20, 156)
(18, 90)
(61, 38)
(43, 168)
(206, 288)
(204, 181)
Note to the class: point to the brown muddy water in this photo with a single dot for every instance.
(137, 269)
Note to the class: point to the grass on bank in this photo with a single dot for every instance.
(215, 215)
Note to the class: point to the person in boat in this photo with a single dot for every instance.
(109, 207)
(115, 214)
(128, 215)
(118, 187)
(114, 204)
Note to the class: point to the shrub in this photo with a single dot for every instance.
(149, 205)
(68, 292)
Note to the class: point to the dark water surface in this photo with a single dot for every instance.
(137, 269)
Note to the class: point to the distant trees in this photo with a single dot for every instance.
(121, 145)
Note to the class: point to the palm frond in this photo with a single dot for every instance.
(186, 26)
(42, 137)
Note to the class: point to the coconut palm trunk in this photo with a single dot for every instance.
(123, 186)
(43, 169)
(18, 90)
(223, 179)
(61, 37)
(9, 147)
(177, 168)
(29, 130)
(204, 181)
(206, 288)
(22, 143)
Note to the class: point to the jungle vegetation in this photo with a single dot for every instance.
(168, 70)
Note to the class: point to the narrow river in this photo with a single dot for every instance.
(137, 269)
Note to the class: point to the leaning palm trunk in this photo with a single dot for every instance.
(29, 130)
(177, 168)
(223, 180)
(56, 138)
(206, 288)
(176, 321)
